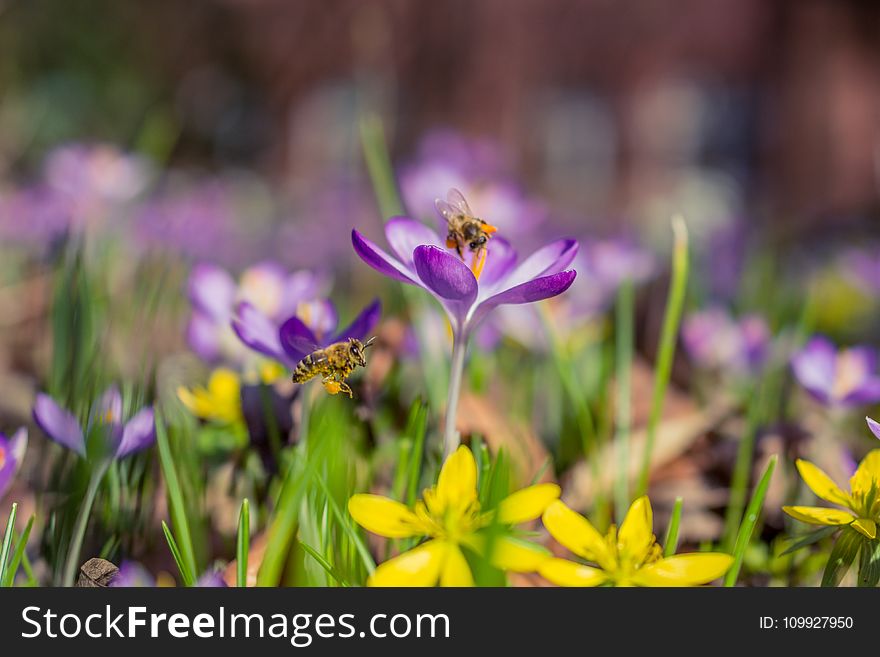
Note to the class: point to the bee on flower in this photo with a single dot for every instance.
(451, 518)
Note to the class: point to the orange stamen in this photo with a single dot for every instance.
(489, 228)
(450, 243)
(478, 263)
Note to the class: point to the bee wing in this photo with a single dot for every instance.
(446, 211)
(455, 199)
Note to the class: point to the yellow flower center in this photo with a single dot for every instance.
(620, 563)
(451, 520)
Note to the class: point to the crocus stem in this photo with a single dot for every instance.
(450, 438)
(82, 521)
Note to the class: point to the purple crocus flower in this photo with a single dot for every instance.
(212, 579)
(125, 438)
(863, 265)
(843, 378)
(315, 326)
(874, 426)
(91, 174)
(11, 455)
(133, 575)
(269, 288)
(422, 260)
(715, 340)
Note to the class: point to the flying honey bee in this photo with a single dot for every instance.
(334, 364)
(465, 231)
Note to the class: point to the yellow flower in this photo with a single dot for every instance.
(862, 503)
(219, 402)
(450, 516)
(626, 557)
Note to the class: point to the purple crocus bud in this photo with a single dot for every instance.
(842, 378)
(211, 580)
(874, 426)
(59, 424)
(133, 575)
(12, 452)
(422, 260)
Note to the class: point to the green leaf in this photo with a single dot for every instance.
(841, 558)
(175, 499)
(187, 577)
(7, 541)
(623, 358)
(668, 339)
(21, 544)
(314, 554)
(809, 539)
(749, 521)
(869, 563)
(243, 543)
(670, 545)
(379, 166)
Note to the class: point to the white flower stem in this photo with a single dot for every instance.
(451, 437)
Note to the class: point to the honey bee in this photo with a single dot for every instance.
(334, 364)
(464, 229)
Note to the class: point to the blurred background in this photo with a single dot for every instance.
(615, 112)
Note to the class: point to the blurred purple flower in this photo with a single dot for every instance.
(863, 265)
(842, 378)
(605, 265)
(133, 575)
(447, 160)
(211, 580)
(94, 174)
(12, 452)
(124, 438)
(35, 216)
(300, 333)
(874, 426)
(423, 260)
(715, 340)
(268, 288)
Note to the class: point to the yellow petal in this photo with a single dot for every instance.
(225, 386)
(563, 572)
(457, 484)
(527, 504)
(384, 516)
(821, 484)
(817, 515)
(516, 555)
(420, 566)
(684, 570)
(636, 532)
(574, 532)
(867, 474)
(195, 401)
(866, 526)
(456, 571)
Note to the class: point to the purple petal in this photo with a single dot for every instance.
(448, 278)
(550, 259)
(59, 424)
(528, 292)
(500, 261)
(405, 234)
(302, 286)
(868, 392)
(18, 445)
(109, 407)
(11, 455)
(381, 261)
(132, 575)
(211, 580)
(257, 331)
(139, 433)
(320, 316)
(297, 339)
(814, 367)
(212, 290)
(874, 426)
(203, 336)
(361, 326)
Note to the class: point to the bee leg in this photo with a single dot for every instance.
(478, 262)
(344, 387)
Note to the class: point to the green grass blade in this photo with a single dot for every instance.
(347, 526)
(808, 539)
(419, 431)
(176, 500)
(314, 554)
(749, 522)
(20, 546)
(623, 417)
(243, 544)
(670, 545)
(741, 471)
(668, 339)
(7, 541)
(185, 574)
(379, 166)
(282, 529)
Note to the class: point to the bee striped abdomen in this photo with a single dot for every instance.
(308, 367)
